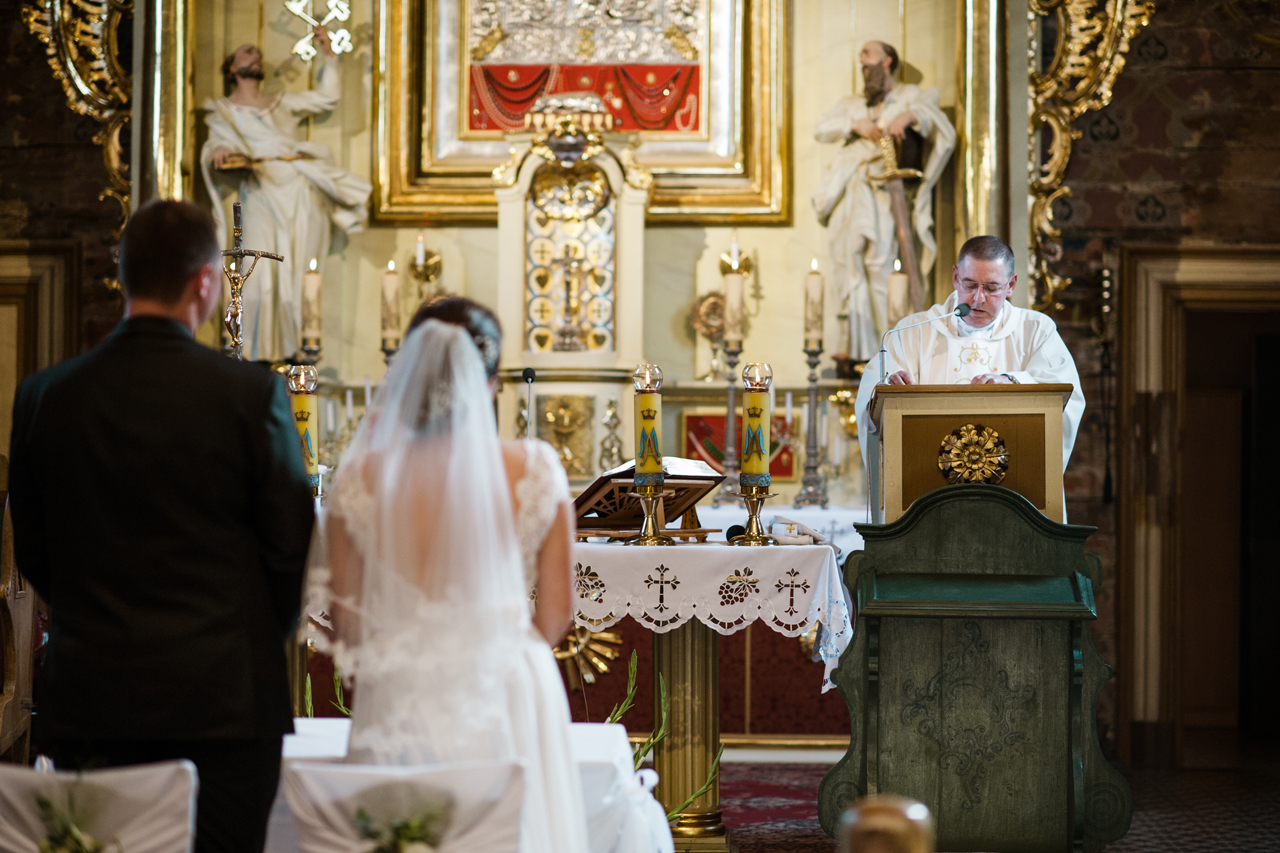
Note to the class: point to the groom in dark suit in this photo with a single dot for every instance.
(161, 508)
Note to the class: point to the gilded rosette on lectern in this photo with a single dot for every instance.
(306, 417)
(754, 480)
(649, 473)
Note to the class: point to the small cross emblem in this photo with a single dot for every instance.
(662, 584)
(792, 586)
(542, 313)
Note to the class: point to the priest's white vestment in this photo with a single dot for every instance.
(858, 213)
(289, 198)
(948, 351)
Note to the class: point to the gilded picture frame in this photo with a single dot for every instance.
(430, 169)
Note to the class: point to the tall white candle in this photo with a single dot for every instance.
(311, 302)
(733, 308)
(351, 408)
(813, 304)
(391, 302)
(788, 398)
(734, 251)
(822, 426)
(420, 251)
(368, 391)
(331, 415)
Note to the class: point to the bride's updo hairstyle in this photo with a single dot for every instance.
(478, 321)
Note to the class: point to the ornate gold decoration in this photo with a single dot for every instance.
(1092, 44)
(973, 454)
(584, 653)
(82, 43)
(576, 194)
(586, 43)
(680, 41)
(440, 172)
(490, 40)
(845, 400)
(561, 421)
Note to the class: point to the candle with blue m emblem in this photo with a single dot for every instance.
(756, 414)
(647, 380)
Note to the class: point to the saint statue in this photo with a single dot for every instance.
(289, 187)
(857, 210)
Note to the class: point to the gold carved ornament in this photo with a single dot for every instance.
(973, 454)
(1092, 44)
(82, 43)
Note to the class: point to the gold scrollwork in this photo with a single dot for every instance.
(1088, 55)
(81, 40)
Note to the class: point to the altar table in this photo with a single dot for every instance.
(689, 595)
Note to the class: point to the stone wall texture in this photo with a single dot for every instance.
(1187, 153)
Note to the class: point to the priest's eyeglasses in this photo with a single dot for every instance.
(991, 288)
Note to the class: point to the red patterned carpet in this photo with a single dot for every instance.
(773, 808)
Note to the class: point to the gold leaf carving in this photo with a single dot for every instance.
(680, 41)
(487, 43)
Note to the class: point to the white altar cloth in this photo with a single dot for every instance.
(622, 815)
(726, 587)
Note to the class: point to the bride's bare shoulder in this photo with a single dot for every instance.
(515, 456)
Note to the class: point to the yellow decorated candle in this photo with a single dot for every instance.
(756, 413)
(647, 380)
(306, 417)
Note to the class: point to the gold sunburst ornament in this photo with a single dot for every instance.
(973, 454)
(582, 650)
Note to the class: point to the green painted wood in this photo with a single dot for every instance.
(971, 681)
(998, 596)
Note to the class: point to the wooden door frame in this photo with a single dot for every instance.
(1160, 284)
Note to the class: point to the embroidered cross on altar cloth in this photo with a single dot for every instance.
(786, 588)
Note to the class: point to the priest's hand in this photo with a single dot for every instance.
(322, 41)
(866, 128)
(992, 379)
(902, 377)
(898, 127)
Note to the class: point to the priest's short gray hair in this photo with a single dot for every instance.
(988, 248)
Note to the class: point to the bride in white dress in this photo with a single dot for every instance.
(437, 532)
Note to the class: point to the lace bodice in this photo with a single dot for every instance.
(538, 494)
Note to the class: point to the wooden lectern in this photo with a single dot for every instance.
(1012, 434)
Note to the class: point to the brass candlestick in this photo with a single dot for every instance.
(237, 276)
(813, 487)
(754, 497)
(650, 533)
(757, 415)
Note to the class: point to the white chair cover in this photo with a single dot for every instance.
(324, 799)
(622, 815)
(150, 808)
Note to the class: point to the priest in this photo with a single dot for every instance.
(996, 343)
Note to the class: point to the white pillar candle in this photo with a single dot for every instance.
(813, 304)
(734, 251)
(420, 251)
(733, 308)
(391, 302)
(788, 416)
(822, 425)
(311, 302)
(368, 391)
(331, 415)
(351, 408)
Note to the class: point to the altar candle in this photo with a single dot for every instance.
(647, 380)
(420, 251)
(368, 392)
(822, 425)
(734, 251)
(311, 302)
(391, 303)
(788, 415)
(305, 403)
(757, 379)
(330, 416)
(351, 406)
(813, 307)
(733, 308)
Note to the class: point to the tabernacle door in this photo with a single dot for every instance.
(928, 436)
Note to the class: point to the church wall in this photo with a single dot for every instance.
(1185, 155)
(681, 262)
(51, 173)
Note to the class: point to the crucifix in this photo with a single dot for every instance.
(238, 275)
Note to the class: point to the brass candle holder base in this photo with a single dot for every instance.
(754, 497)
(650, 533)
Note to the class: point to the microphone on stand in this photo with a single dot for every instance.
(528, 376)
(961, 310)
